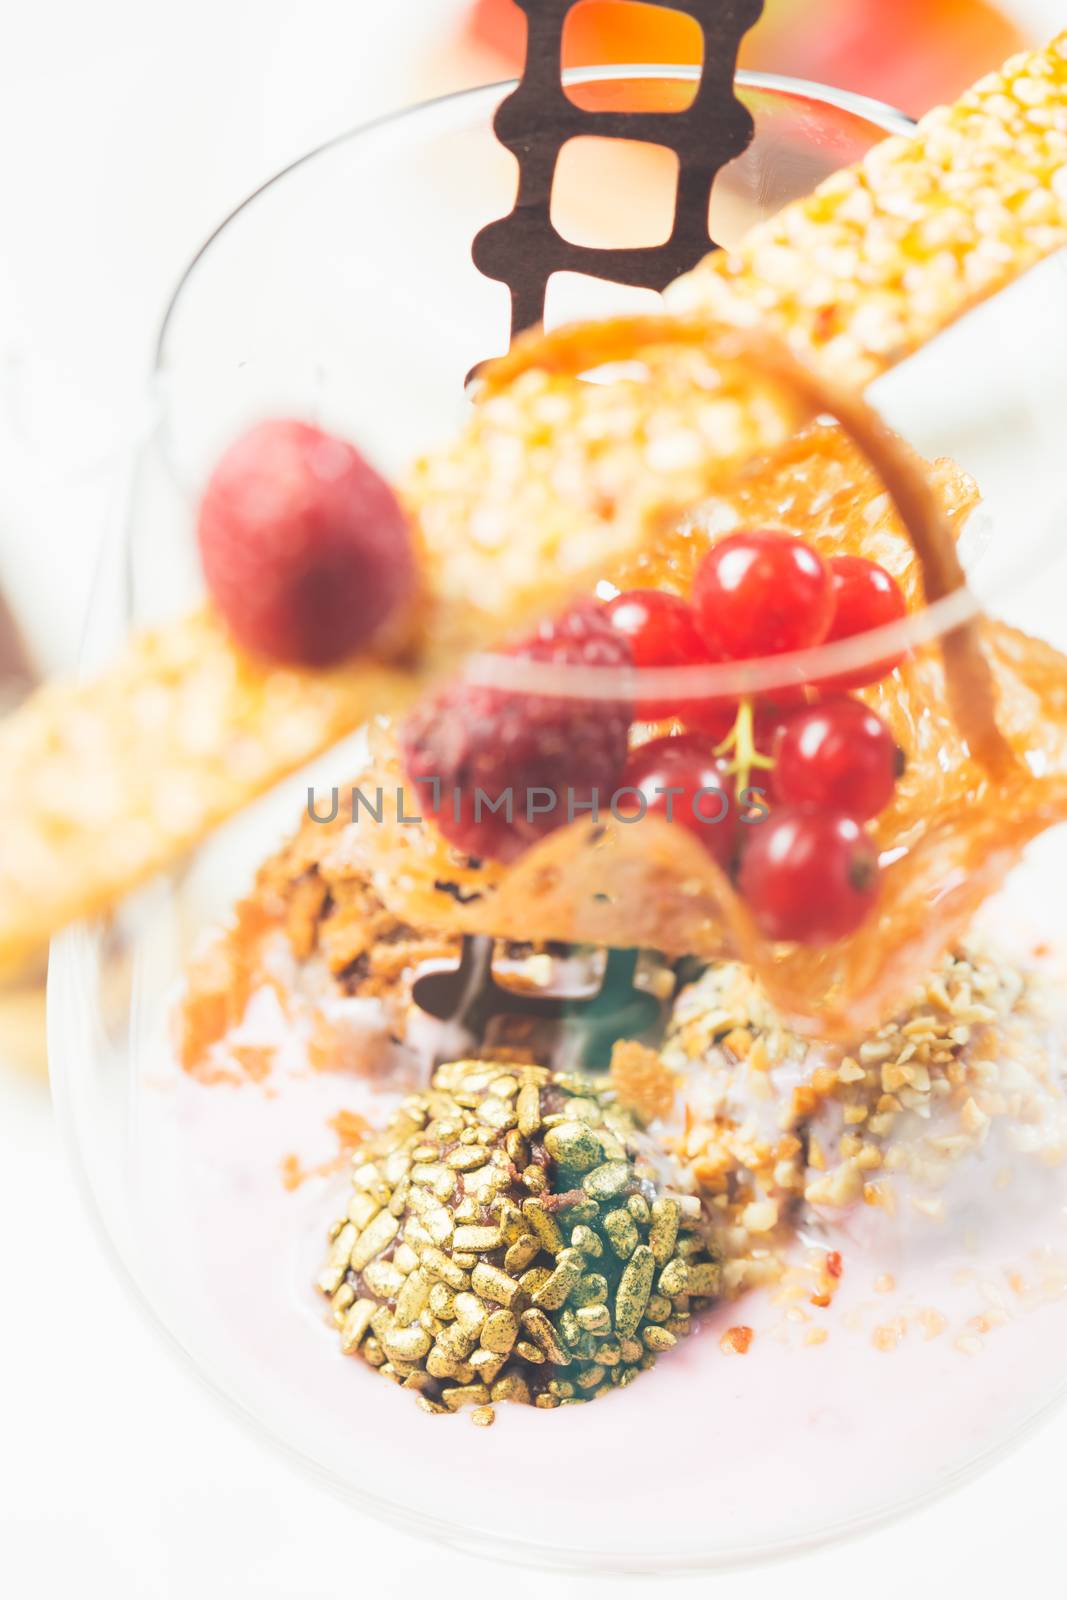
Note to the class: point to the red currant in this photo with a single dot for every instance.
(809, 876)
(865, 597)
(837, 755)
(770, 717)
(712, 718)
(761, 593)
(716, 718)
(679, 779)
(662, 633)
(659, 627)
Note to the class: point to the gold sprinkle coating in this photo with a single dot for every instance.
(575, 1146)
(495, 1285)
(666, 1215)
(621, 1229)
(606, 1182)
(422, 1289)
(565, 1278)
(499, 1332)
(528, 1109)
(544, 1226)
(634, 1289)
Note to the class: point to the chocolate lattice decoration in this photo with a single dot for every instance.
(524, 249)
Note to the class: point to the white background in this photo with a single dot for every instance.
(128, 128)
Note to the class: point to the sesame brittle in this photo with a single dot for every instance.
(886, 254)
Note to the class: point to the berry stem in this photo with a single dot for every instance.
(741, 740)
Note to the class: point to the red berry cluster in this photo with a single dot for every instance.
(808, 872)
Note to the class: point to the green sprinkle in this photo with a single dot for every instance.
(607, 1182)
(666, 1215)
(634, 1289)
(575, 1146)
(621, 1229)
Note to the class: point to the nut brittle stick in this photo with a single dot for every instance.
(886, 254)
(105, 782)
(550, 479)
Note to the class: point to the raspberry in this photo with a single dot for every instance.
(471, 738)
(305, 548)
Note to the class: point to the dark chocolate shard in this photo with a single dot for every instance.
(471, 996)
(524, 249)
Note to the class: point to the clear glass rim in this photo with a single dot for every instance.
(728, 679)
(863, 107)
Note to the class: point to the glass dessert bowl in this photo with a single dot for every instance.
(633, 1153)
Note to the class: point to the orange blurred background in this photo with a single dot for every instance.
(911, 53)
